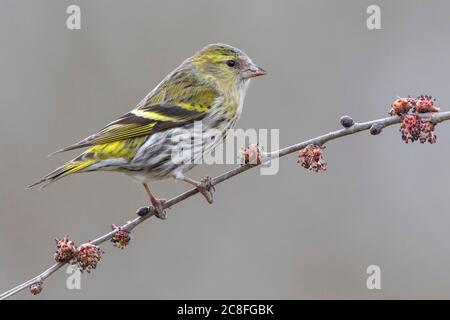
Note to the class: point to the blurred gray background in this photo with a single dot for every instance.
(293, 235)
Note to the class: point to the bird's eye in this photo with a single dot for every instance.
(230, 63)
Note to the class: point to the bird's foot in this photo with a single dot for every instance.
(206, 188)
(158, 206)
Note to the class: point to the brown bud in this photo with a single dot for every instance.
(402, 106)
(65, 250)
(251, 154)
(411, 128)
(311, 158)
(376, 129)
(88, 256)
(121, 238)
(36, 287)
(346, 121)
(427, 133)
(143, 211)
(425, 103)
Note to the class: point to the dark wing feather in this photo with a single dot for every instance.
(180, 99)
(142, 121)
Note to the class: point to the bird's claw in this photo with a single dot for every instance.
(160, 211)
(206, 188)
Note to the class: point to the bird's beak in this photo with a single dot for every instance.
(252, 71)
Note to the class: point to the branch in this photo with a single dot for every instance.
(434, 118)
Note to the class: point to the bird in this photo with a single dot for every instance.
(205, 91)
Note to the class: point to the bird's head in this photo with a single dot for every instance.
(225, 65)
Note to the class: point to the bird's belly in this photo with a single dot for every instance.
(173, 152)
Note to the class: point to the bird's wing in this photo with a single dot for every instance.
(180, 99)
(111, 143)
(144, 120)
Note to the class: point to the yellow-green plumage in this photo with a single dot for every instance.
(206, 87)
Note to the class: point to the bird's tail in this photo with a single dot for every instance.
(70, 167)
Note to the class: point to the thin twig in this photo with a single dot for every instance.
(320, 140)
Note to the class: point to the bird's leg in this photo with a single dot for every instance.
(205, 187)
(157, 203)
